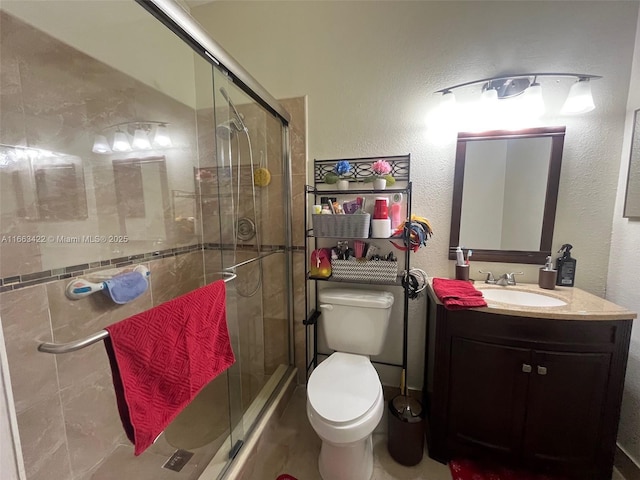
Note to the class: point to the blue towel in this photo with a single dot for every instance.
(126, 287)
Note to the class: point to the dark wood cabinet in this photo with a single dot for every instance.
(539, 393)
(487, 389)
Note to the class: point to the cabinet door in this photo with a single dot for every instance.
(565, 410)
(487, 397)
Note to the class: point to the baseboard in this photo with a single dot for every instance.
(625, 465)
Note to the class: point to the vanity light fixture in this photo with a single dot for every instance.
(121, 142)
(522, 94)
(101, 145)
(130, 136)
(447, 110)
(162, 137)
(13, 155)
(141, 140)
(580, 99)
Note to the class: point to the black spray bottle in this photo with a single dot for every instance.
(566, 267)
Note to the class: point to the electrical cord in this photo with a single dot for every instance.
(415, 281)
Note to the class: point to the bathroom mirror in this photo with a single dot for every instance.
(142, 196)
(42, 186)
(632, 197)
(505, 193)
(60, 192)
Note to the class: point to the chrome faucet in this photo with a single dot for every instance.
(490, 279)
(503, 280)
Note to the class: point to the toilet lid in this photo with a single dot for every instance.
(343, 387)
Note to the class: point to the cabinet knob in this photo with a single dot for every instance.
(526, 368)
(542, 370)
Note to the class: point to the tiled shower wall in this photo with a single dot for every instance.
(67, 416)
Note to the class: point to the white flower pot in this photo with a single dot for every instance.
(343, 184)
(380, 184)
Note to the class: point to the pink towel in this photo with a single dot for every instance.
(457, 294)
(161, 358)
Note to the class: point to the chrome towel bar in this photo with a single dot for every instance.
(96, 337)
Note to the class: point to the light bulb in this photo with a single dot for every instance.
(442, 120)
(161, 137)
(120, 142)
(579, 99)
(533, 103)
(489, 96)
(140, 140)
(100, 145)
(448, 108)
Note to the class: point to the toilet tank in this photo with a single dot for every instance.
(355, 321)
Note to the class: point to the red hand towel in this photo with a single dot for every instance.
(457, 294)
(161, 358)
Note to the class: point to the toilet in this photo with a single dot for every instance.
(344, 393)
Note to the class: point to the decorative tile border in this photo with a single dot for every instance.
(27, 280)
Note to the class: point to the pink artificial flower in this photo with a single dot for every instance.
(381, 167)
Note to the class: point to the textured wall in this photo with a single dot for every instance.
(622, 283)
(370, 69)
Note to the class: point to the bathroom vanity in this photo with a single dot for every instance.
(536, 387)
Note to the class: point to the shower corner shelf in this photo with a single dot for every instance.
(360, 170)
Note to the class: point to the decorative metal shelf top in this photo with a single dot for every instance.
(355, 191)
(361, 169)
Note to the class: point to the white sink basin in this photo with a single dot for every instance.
(518, 297)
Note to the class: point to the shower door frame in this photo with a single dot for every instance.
(174, 17)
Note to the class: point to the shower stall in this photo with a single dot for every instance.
(127, 137)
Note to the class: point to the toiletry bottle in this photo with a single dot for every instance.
(547, 276)
(460, 256)
(566, 266)
(396, 211)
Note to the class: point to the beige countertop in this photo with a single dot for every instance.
(580, 305)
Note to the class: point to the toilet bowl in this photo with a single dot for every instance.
(344, 406)
(344, 393)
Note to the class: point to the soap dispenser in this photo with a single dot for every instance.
(547, 275)
(566, 266)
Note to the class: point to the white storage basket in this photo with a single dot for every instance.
(341, 226)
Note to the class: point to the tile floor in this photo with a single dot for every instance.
(291, 446)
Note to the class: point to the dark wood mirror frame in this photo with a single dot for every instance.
(553, 180)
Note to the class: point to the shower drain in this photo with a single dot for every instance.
(178, 460)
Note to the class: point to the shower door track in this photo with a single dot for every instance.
(251, 260)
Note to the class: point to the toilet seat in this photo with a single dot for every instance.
(343, 388)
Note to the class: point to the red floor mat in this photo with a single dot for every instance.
(286, 477)
(470, 470)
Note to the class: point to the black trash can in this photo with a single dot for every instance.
(406, 430)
